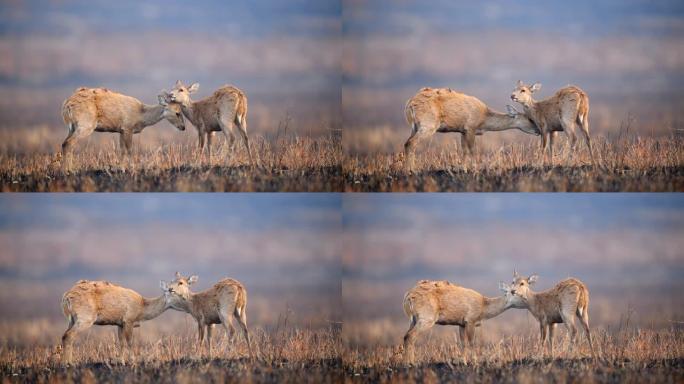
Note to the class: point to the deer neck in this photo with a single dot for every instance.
(533, 304)
(496, 121)
(153, 307)
(186, 305)
(190, 111)
(151, 114)
(493, 307)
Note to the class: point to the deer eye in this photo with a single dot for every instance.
(522, 90)
(180, 90)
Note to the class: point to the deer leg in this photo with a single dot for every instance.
(227, 130)
(209, 135)
(462, 336)
(200, 330)
(542, 331)
(76, 326)
(128, 335)
(410, 146)
(121, 337)
(584, 320)
(419, 326)
(77, 133)
(200, 134)
(552, 328)
(552, 136)
(242, 128)
(569, 321)
(209, 329)
(470, 334)
(470, 141)
(241, 316)
(126, 141)
(585, 131)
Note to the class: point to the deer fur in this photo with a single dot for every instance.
(90, 303)
(216, 305)
(444, 110)
(444, 303)
(224, 109)
(566, 109)
(561, 304)
(90, 110)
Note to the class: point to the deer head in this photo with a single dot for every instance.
(521, 285)
(523, 93)
(172, 111)
(181, 94)
(179, 289)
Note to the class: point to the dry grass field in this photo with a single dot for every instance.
(627, 162)
(167, 350)
(161, 162)
(626, 354)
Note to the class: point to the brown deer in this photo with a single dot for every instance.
(224, 109)
(561, 304)
(90, 303)
(444, 303)
(567, 108)
(445, 110)
(216, 305)
(90, 110)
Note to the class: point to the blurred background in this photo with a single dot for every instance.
(627, 55)
(284, 55)
(285, 249)
(626, 248)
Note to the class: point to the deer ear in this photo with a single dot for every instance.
(163, 285)
(512, 112)
(193, 279)
(178, 275)
(504, 287)
(193, 88)
(179, 83)
(532, 279)
(163, 98)
(520, 83)
(515, 274)
(535, 87)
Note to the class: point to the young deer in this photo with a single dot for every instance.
(560, 304)
(90, 110)
(444, 110)
(224, 109)
(91, 303)
(215, 305)
(561, 112)
(443, 303)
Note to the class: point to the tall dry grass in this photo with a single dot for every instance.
(286, 162)
(625, 353)
(626, 162)
(170, 352)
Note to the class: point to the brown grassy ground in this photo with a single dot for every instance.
(627, 163)
(508, 352)
(287, 162)
(167, 352)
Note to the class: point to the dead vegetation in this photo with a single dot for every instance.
(287, 162)
(287, 353)
(627, 163)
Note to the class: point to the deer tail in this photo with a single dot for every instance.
(66, 308)
(410, 115)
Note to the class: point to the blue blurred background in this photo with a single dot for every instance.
(284, 248)
(627, 248)
(284, 54)
(627, 55)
